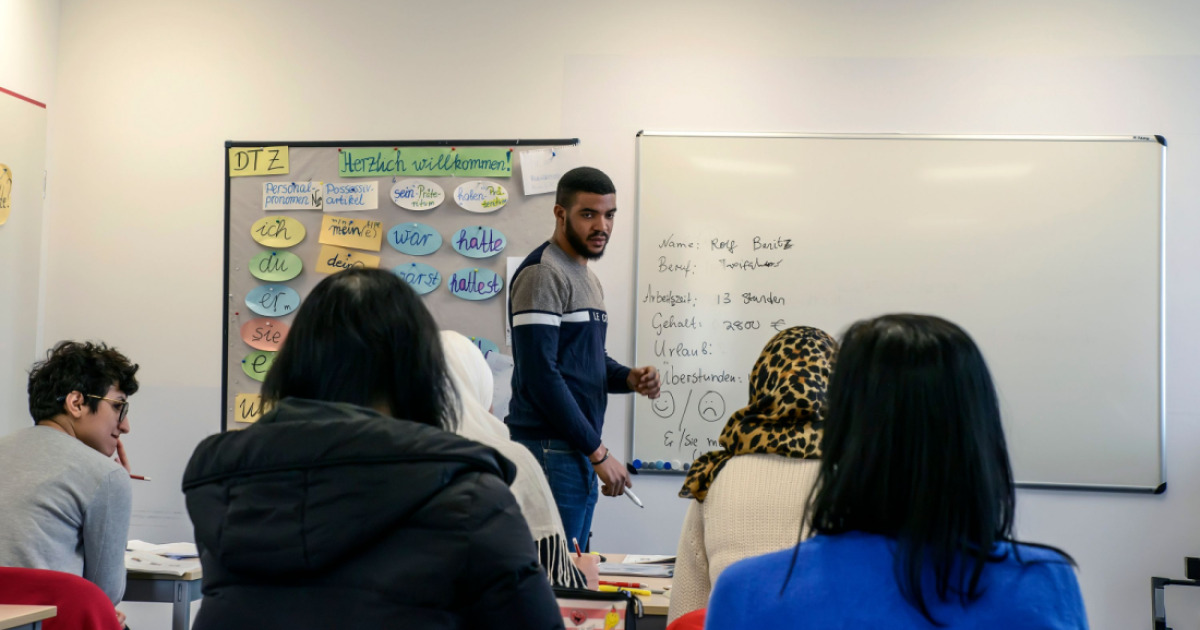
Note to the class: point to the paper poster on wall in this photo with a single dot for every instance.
(333, 259)
(407, 161)
(275, 266)
(273, 300)
(421, 277)
(293, 196)
(277, 231)
(414, 239)
(264, 333)
(249, 408)
(480, 196)
(248, 161)
(257, 364)
(485, 346)
(351, 197)
(354, 233)
(482, 162)
(425, 162)
(478, 241)
(475, 284)
(6, 180)
(417, 194)
(542, 168)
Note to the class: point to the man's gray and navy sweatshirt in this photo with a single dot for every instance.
(563, 375)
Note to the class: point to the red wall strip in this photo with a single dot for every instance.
(23, 97)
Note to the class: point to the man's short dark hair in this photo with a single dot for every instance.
(583, 179)
(88, 368)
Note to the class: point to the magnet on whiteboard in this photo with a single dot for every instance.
(676, 465)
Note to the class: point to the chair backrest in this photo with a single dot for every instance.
(592, 610)
(691, 621)
(81, 604)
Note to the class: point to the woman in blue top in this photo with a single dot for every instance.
(913, 514)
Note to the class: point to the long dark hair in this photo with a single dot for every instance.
(363, 337)
(914, 450)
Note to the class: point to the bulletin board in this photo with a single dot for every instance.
(337, 177)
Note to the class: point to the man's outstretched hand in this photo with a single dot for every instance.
(645, 381)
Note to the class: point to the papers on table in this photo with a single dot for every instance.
(646, 559)
(146, 562)
(638, 570)
(174, 551)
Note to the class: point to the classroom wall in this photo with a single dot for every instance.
(28, 47)
(147, 91)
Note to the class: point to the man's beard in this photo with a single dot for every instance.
(580, 245)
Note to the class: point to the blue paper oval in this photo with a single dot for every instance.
(414, 239)
(478, 241)
(475, 283)
(421, 277)
(273, 300)
(485, 345)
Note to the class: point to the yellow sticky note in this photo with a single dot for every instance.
(356, 233)
(249, 408)
(334, 259)
(246, 161)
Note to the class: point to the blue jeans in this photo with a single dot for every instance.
(573, 483)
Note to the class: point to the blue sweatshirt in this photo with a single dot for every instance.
(847, 581)
(563, 375)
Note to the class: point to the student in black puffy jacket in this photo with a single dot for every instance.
(348, 505)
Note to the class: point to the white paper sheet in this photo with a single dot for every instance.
(542, 168)
(343, 197)
(171, 550)
(502, 371)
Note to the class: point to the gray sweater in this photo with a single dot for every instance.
(63, 507)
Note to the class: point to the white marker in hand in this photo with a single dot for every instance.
(633, 497)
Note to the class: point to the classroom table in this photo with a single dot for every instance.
(655, 607)
(179, 591)
(25, 617)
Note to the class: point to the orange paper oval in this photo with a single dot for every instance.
(264, 333)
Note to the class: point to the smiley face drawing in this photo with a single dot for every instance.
(711, 406)
(664, 406)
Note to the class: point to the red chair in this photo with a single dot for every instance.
(81, 604)
(691, 621)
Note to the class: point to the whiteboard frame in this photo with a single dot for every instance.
(1162, 274)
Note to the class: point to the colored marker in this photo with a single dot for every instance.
(615, 589)
(139, 477)
(578, 552)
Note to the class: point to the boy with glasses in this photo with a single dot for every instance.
(65, 502)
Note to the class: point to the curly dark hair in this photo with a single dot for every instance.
(72, 366)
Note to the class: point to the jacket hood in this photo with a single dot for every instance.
(312, 482)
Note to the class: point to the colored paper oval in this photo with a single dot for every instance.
(475, 284)
(478, 241)
(481, 196)
(421, 277)
(275, 266)
(277, 231)
(257, 364)
(417, 194)
(485, 345)
(414, 239)
(273, 300)
(264, 333)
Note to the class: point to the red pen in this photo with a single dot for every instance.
(578, 552)
(624, 584)
(139, 477)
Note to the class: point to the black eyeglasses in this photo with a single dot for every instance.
(122, 406)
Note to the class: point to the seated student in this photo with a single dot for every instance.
(750, 495)
(347, 505)
(913, 513)
(65, 503)
(473, 381)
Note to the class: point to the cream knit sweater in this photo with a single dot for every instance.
(753, 507)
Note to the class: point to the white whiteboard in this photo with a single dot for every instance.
(1047, 250)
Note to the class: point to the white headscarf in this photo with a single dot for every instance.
(473, 381)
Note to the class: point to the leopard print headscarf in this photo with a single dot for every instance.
(786, 412)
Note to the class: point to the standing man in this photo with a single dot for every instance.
(563, 375)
